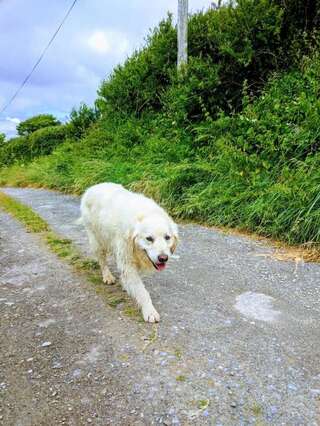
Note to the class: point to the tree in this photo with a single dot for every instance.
(81, 119)
(2, 138)
(37, 122)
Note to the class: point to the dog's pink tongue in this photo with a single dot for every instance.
(161, 266)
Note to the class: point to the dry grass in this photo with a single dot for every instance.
(308, 252)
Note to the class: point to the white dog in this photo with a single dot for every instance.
(135, 230)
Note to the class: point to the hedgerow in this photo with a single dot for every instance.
(25, 148)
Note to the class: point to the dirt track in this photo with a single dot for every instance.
(238, 343)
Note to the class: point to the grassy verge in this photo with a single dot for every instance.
(112, 295)
(24, 214)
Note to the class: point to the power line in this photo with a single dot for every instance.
(39, 59)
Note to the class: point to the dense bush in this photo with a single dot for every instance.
(300, 27)
(137, 85)
(226, 47)
(81, 120)
(42, 133)
(15, 149)
(43, 141)
(37, 122)
(229, 47)
(25, 148)
(2, 139)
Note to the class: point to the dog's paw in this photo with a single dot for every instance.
(108, 278)
(150, 314)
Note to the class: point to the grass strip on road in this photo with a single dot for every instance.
(113, 295)
(24, 214)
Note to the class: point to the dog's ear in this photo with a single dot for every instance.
(174, 237)
(132, 237)
(174, 244)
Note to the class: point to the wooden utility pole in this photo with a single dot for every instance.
(182, 33)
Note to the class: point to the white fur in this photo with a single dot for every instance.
(118, 223)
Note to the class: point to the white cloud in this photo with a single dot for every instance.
(99, 42)
(8, 126)
(13, 120)
(108, 42)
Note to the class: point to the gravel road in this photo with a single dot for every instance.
(238, 342)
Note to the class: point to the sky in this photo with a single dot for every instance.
(96, 36)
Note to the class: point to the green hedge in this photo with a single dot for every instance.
(227, 47)
(43, 141)
(15, 149)
(25, 148)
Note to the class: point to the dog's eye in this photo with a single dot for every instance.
(150, 239)
(167, 237)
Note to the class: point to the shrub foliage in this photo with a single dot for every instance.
(40, 142)
(37, 122)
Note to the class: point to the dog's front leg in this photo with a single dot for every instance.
(132, 283)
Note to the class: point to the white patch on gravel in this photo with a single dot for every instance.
(47, 322)
(93, 355)
(31, 291)
(256, 306)
(76, 373)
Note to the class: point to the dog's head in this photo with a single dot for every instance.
(155, 237)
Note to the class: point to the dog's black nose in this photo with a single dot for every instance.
(162, 258)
